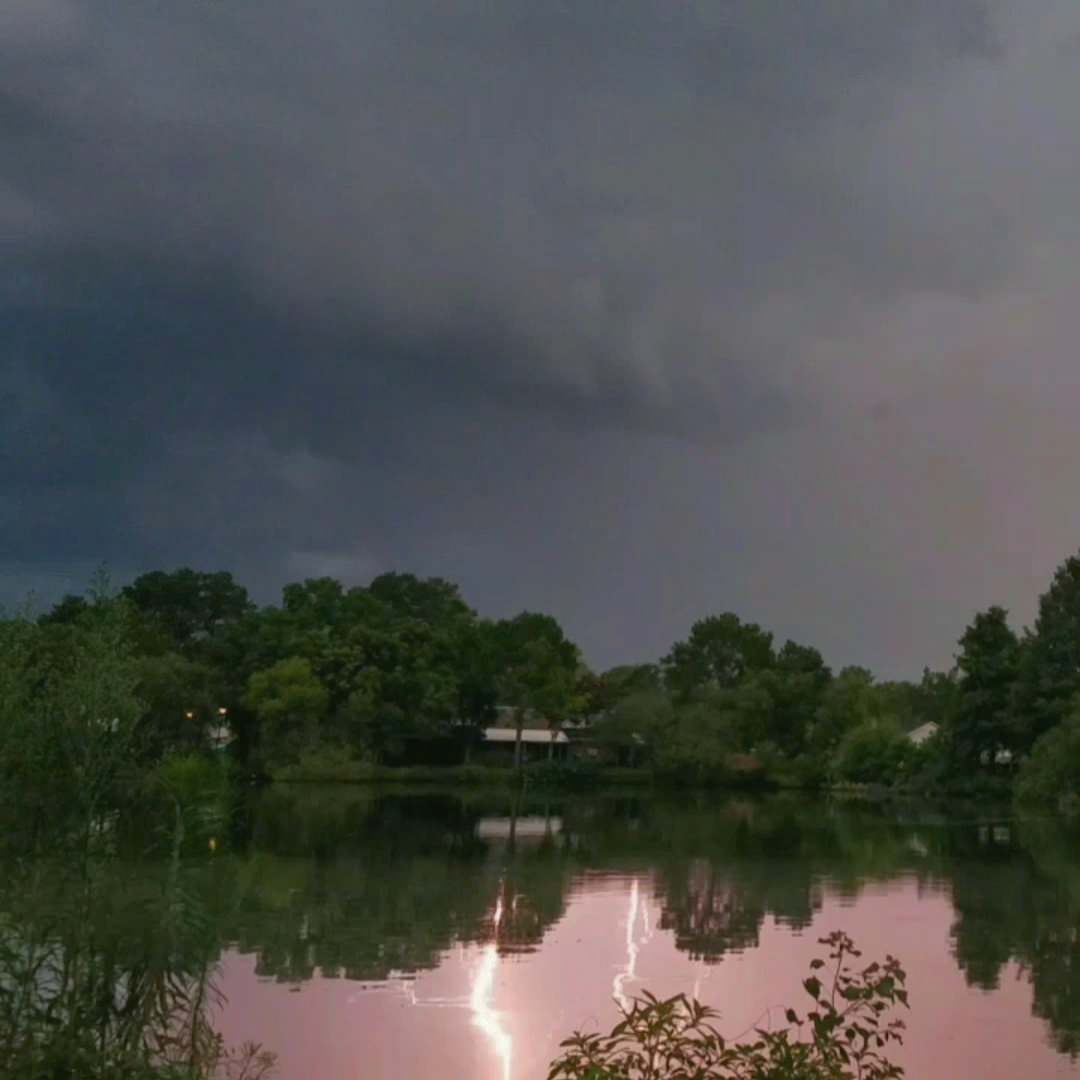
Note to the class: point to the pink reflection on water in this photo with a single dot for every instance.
(485, 1016)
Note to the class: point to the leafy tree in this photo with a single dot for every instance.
(937, 697)
(1050, 664)
(698, 743)
(874, 752)
(797, 686)
(289, 701)
(181, 697)
(537, 670)
(848, 702)
(71, 608)
(314, 601)
(719, 652)
(1051, 774)
(981, 723)
(188, 605)
(605, 691)
(430, 600)
(635, 727)
(69, 716)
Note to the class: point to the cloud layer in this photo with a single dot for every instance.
(630, 311)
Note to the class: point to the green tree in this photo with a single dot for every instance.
(1050, 664)
(603, 692)
(635, 727)
(797, 687)
(537, 671)
(874, 752)
(1051, 774)
(981, 722)
(697, 744)
(70, 716)
(720, 651)
(847, 702)
(289, 702)
(429, 600)
(69, 609)
(188, 605)
(181, 697)
(314, 602)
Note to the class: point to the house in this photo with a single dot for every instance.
(498, 744)
(539, 739)
(923, 733)
(219, 736)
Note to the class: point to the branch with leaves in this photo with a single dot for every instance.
(843, 1036)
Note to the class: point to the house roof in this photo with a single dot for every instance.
(528, 735)
(923, 732)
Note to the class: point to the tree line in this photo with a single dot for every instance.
(404, 671)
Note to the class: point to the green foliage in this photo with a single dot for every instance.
(1049, 677)
(181, 699)
(697, 745)
(403, 672)
(188, 606)
(875, 752)
(70, 729)
(565, 775)
(635, 728)
(848, 702)
(842, 1036)
(980, 726)
(1051, 774)
(289, 701)
(537, 670)
(718, 653)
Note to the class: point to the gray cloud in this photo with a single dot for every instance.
(631, 311)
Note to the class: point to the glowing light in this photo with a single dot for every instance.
(638, 907)
(482, 1000)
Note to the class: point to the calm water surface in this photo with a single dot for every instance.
(376, 934)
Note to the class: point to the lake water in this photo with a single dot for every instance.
(409, 935)
(380, 934)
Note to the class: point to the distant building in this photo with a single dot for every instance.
(923, 733)
(220, 736)
(533, 736)
(539, 739)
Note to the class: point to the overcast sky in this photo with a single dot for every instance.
(630, 311)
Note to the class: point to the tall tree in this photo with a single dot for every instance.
(289, 701)
(797, 686)
(181, 699)
(188, 605)
(988, 662)
(1050, 663)
(719, 652)
(537, 671)
(848, 702)
(431, 600)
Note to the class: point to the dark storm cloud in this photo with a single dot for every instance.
(577, 303)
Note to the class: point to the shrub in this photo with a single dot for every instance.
(841, 1037)
(875, 752)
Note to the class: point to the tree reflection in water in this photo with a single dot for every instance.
(366, 885)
